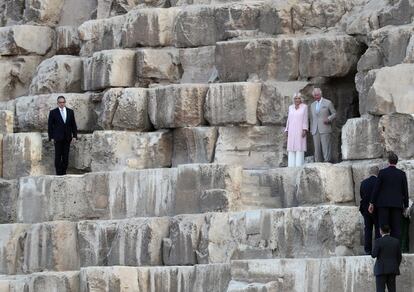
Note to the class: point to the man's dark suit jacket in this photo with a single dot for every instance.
(365, 191)
(388, 253)
(60, 131)
(391, 189)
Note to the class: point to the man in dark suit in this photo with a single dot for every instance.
(390, 196)
(370, 220)
(387, 266)
(62, 130)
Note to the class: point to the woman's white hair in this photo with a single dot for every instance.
(297, 94)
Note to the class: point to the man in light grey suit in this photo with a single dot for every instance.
(322, 115)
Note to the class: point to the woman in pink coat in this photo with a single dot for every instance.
(297, 126)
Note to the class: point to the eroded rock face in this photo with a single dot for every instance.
(67, 40)
(8, 200)
(198, 64)
(109, 8)
(6, 121)
(43, 11)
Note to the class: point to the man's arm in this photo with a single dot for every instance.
(74, 126)
(332, 111)
(405, 190)
(374, 194)
(50, 125)
(376, 249)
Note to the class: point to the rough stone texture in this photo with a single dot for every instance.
(85, 10)
(133, 242)
(276, 233)
(318, 183)
(16, 75)
(232, 103)
(397, 134)
(251, 147)
(198, 64)
(8, 200)
(186, 279)
(67, 40)
(177, 106)
(58, 74)
(44, 11)
(194, 145)
(11, 251)
(275, 99)
(312, 275)
(108, 8)
(80, 157)
(117, 150)
(107, 108)
(386, 90)
(26, 150)
(361, 138)
(408, 167)
(110, 68)
(32, 111)
(11, 12)
(158, 66)
(6, 121)
(25, 40)
(207, 187)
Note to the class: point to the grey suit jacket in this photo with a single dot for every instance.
(326, 111)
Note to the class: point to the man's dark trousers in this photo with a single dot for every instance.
(386, 280)
(61, 156)
(391, 217)
(370, 222)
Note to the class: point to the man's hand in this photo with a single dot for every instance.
(304, 133)
(326, 121)
(73, 140)
(371, 208)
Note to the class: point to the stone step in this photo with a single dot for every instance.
(181, 240)
(316, 274)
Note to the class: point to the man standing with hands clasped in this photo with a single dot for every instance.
(62, 130)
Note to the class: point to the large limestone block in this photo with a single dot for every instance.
(112, 68)
(32, 111)
(22, 154)
(132, 242)
(232, 103)
(45, 12)
(11, 12)
(85, 10)
(176, 106)
(240, 60)
(275, 99)
(387, 90)
(67, 40)
(108, 106)
(361, 138)
(11, 249)
(194, 145)
(319, 183)
(25, 40)
(101, 34)
(207, 187)
(275, 233)
(6, 121)
(58, 74)
(198, 64)
(117, 150)
(16, 75)
(9, 190)
(158, 65)
(54, 281)
(251, 147)
(397, 134)
(149, 28)
(109, 8)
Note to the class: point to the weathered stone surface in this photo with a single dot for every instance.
(387, 90)
(207, 187)
(158, 66)
(397, 134)
(132, 242)
(6, 121)
(11, 249)
(16, 75)
(194, 145)
(176, 106)
(117, 150)
(8, 200)
(198, 64)
(32, 111)
(76, 12)
(25, 39)
(319, 183)
(26, 150)
(58, 74)
(295, 232)
(110, 68)
(67, 40)
(108, 107)
(275, 99)
(361, 138)
(11, 12)
(312, 275)
(186, 279)
(232, 103)
(43, 11)
(108, 8)
(251, 147)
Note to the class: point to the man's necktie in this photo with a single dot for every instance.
(318, 104)
(62, 112)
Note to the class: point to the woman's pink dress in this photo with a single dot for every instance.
(297, 122)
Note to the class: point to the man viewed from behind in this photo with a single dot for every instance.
(62, 130)
(387, 266)
(322, 115)
(370, 220)
(390, 196)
